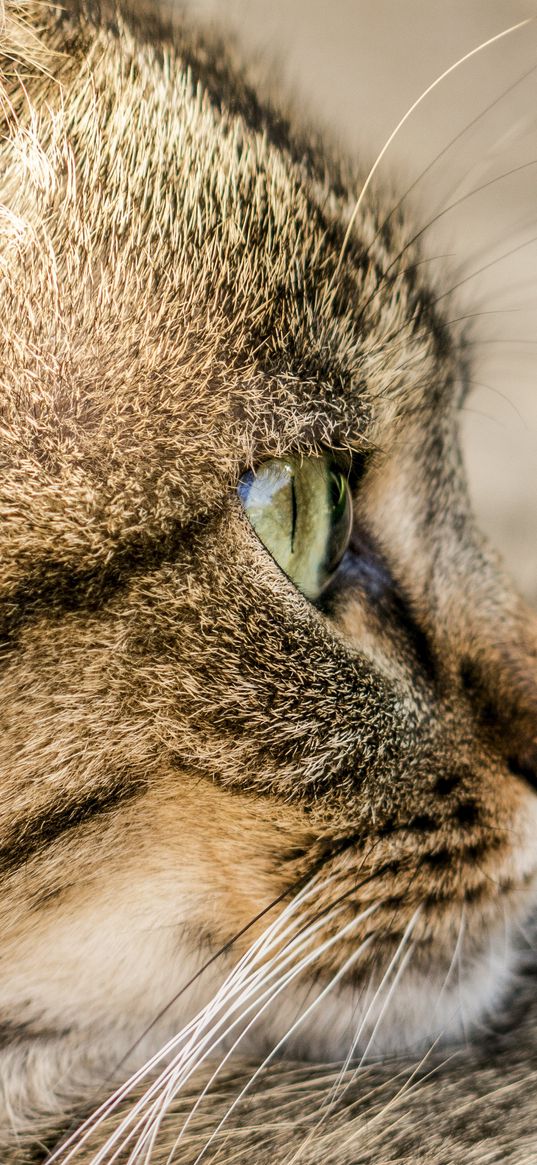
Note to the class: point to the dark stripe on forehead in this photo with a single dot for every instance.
(210, 64)
(31, 836)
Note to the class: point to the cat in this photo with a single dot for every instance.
(269, 700)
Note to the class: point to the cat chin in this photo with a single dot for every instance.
(408, 1013)
(408, 1005)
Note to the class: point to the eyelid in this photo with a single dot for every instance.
(352, 463)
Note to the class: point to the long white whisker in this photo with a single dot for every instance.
(329, 987)
(271, 936)
(188, 1058)
(305, 962)
(457, 64)
(265, 999)
(335, 1093)
(178, 1073)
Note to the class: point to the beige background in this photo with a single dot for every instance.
(356, 66)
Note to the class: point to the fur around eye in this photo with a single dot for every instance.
(301, 511)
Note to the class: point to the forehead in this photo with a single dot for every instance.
(186, 292)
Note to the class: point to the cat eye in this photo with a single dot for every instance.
(301, 510)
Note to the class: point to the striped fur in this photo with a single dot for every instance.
(198, 765)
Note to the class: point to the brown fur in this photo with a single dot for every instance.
(186, 739)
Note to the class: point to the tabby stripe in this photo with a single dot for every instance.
(56, 588)
(32, 835)
(416, 636)
(229, 93)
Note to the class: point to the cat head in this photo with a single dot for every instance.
(259, 665)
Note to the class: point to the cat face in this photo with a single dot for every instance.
(193, 741)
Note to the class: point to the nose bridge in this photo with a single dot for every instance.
(498, 677)
(520, 679)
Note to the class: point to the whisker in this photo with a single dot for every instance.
(223, 950)
(266, 998)
(234, 981)
(486, 267)
(396, 959)
(445, 149)
(184, 1061)
(299, 938)
(457, 64)
(402, 964)
(300, 884)
(105, 1109)
(336, 979)
(452, 206)
(177, 1080)
(336, 1092)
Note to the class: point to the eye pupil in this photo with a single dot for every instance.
(294, 513)
(302, 513)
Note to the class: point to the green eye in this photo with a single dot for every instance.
(301, 511)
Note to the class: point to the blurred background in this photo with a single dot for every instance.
(355, 67)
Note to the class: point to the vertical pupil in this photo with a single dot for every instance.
(293, 513)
